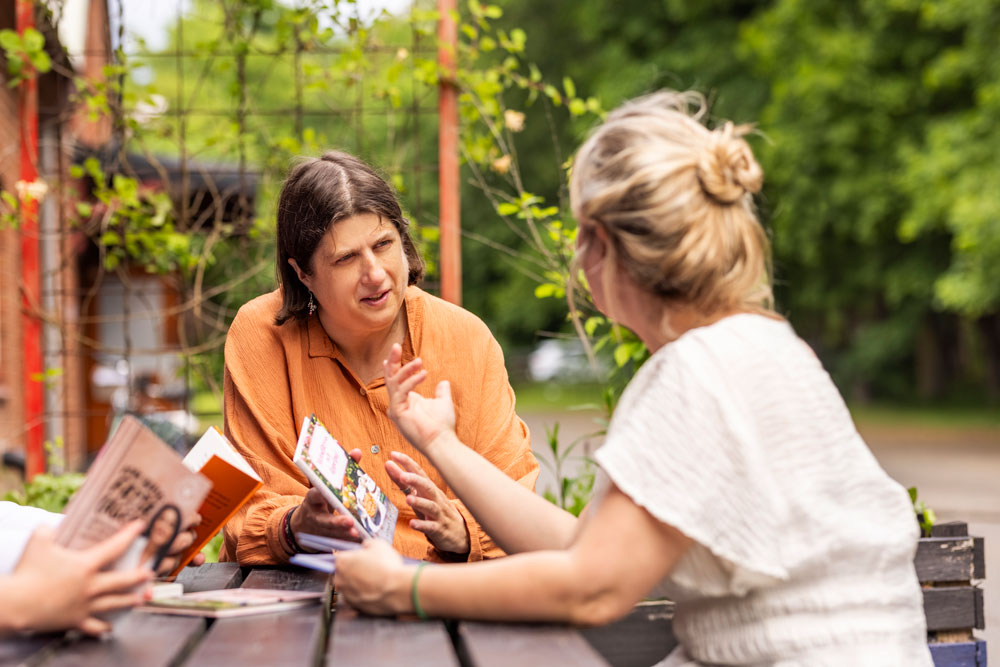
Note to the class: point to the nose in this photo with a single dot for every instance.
(374, 272)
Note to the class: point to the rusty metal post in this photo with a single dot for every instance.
(448, 184)
(31, 328)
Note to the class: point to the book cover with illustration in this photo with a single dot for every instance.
(342, 482)
(135, 476)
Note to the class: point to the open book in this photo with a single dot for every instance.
(233, 482)
(232, 602)
(343, 483)
(135, 476)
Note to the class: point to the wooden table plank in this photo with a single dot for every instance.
(293, 638)
(500, 645)
(643, 638)
(284, 639)
(287, 579)
(365, 640)
(149, 640)
(18, 650)
(210, 577)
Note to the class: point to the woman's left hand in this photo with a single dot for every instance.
(373, 579)
(180, 544)
(437, 516)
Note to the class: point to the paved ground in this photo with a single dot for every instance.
(956, 470)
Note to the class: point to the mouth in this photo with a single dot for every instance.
(376, 299)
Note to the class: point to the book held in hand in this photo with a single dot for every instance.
(343, 483)
(233, 482)
(135, 476)
(326, 560)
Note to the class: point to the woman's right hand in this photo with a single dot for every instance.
(315, 516)
(421, 420)
(61, 589)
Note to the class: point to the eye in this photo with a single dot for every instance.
(345, 258)
(384, 243)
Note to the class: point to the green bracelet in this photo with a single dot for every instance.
(421, 614)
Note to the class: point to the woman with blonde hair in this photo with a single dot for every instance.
(733, 480)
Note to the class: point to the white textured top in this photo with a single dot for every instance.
(736, 436)
(17, 522)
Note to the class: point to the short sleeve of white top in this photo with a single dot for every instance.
(17, 522)
(803, 546)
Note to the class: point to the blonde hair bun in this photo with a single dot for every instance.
(726, 167)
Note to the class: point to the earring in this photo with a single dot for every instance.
(312, 304)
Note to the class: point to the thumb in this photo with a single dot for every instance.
(443, 390)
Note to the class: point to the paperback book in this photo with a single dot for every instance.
(230, 602)
(343, 483)
(135, 476)
(233, 482)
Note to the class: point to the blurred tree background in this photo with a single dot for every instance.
(881, 151)
(878, 137)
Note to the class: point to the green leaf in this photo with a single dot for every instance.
(545, 290)
(84, 209)
(569, 87)
(506, 208)
(10, 41)
(33, 40)
(590, 326)
(622, 354)
(42, 62)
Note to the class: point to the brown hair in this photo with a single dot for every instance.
(676, 200)
(318, 193)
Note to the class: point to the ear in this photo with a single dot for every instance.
(303, 276)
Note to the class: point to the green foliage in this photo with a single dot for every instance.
(925, 515)
(211, 550)
(878, 141)
(25, 54)
(573, 491)
(48, 491)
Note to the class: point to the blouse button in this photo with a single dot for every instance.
(375, 449)
(363, 392)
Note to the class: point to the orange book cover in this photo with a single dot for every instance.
(233, 482)
(136, 476)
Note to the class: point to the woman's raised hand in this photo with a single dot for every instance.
(419, 419)
(437, 516)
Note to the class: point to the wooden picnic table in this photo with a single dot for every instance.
(327, 635)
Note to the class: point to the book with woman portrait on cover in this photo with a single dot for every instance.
(135, 476)
(343, 483)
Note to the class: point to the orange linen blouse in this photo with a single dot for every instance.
(275, 376)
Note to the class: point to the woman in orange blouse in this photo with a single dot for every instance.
(349, 272)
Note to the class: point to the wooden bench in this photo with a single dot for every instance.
(950, 566)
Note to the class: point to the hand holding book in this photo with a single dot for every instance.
(56, 588)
